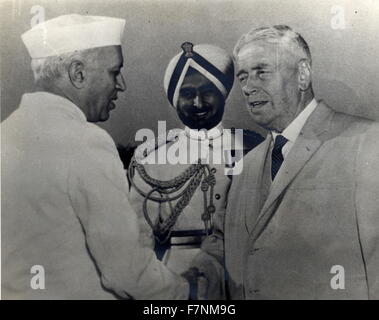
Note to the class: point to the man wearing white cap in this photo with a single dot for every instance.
(177, 201)
(68, 230)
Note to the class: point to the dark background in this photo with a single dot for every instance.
(345, 61)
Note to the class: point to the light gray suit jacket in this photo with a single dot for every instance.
(283, 241)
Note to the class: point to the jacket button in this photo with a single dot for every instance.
(253, 251)
(253, 291)
(217, 196)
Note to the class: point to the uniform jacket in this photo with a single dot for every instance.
(65, 208)
(178, 258)
(223, 151)
(322, 210)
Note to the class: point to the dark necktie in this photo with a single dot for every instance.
(276, 155)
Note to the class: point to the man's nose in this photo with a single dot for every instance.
(197, 102)
(120, 84)
(250, 87)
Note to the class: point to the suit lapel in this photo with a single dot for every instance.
(303, 149)
(256, 175)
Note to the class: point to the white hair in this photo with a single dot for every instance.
(54, 67)
(276, 34)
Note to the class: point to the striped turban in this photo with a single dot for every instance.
(212, 62)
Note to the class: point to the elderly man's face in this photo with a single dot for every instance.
(268, 76)
(104, 83)
(200, 104)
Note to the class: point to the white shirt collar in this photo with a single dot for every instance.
(204, 134)
(293, 130)
(52, 101)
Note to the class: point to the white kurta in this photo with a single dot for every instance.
(65, 208)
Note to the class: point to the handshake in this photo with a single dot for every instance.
(204, 286)
(198, 284)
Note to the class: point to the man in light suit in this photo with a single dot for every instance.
(302, 219)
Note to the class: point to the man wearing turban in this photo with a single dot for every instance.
(178, 199)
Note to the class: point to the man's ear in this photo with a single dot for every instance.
(77, 74)
(305, 74)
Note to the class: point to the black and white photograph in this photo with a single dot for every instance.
(211, 150)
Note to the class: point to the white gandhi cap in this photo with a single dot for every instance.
(71, 33)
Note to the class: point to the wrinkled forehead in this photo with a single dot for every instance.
(111, 56)
(260, 52)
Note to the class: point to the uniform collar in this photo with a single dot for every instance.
(293, 130)
(52, 101)
(211, 134)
